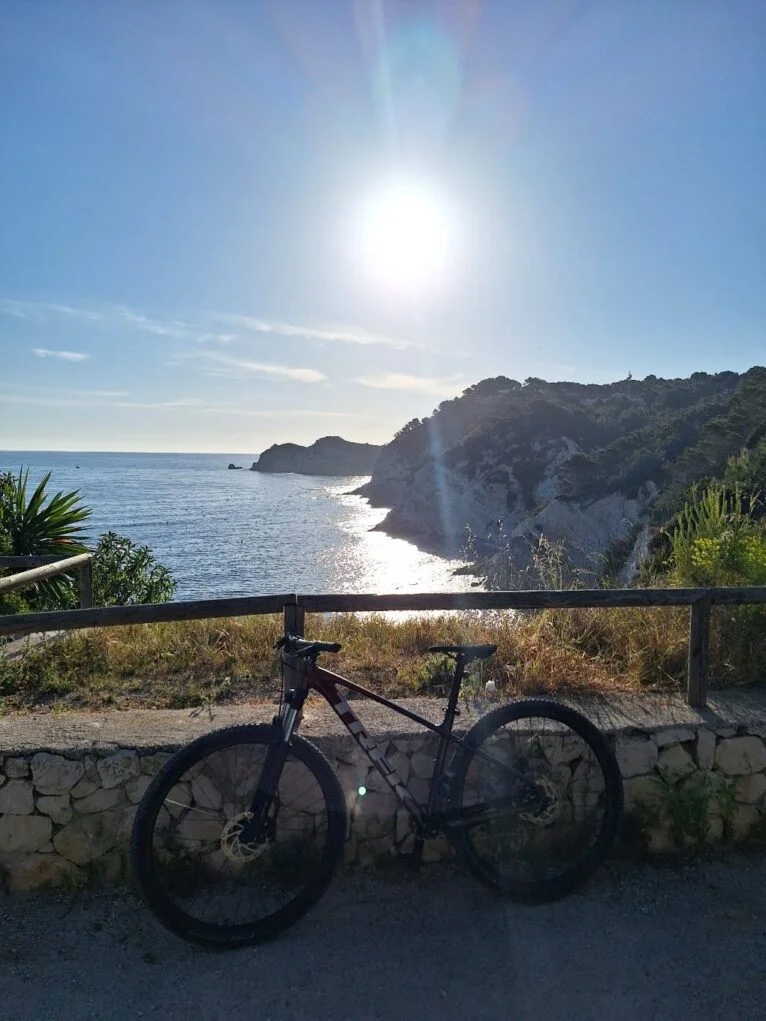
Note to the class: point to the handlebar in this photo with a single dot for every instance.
(294, 645)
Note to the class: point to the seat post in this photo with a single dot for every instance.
(451, 712)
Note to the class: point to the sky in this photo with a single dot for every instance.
(199, 250)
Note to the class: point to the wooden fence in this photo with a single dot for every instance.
(42, 567)
(295, 607)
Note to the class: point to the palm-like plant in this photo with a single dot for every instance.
(40, 525)
(36, 527)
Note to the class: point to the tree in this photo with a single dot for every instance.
(125, 574)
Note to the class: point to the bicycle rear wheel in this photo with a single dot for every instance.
(539, 834)
(204, 883)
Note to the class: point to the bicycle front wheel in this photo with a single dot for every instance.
(204, 883)
(536, 801)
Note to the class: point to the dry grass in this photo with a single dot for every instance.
(217, 661)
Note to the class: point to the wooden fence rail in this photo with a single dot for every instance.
(294, 607)
(43, 567)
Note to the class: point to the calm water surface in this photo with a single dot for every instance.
(236, 533)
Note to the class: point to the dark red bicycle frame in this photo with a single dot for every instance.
(310, 677)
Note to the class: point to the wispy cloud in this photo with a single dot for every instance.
(336, 334)
(216, 338)
(439, 387)
(200, 327)
(230, 365)
(175, 328)
(62, 356)
(59, 390)
(190, 405)
(44, 311)
(36, 311)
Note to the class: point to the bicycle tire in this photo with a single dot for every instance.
(550, 887)
(145, 860)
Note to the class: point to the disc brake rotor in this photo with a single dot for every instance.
(233, 847)
(550, 808)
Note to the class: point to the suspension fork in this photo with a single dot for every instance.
(256, 828)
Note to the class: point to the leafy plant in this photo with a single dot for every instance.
(40, 524)
(687, 805)
(125, 573)
(715, 540)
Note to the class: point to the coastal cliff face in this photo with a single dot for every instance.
(594, 465)
(329, 455)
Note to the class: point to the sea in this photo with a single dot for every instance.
(240, 533)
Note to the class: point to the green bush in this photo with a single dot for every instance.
(716, 540)
(125, 574)
(39, 524)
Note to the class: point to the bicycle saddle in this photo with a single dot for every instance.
(467, 652)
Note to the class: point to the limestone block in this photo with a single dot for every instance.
(87, 837)
(374, 815)
(153, 763)
(422, 765)
(57, 806)
(117, 769)
(16, 768)
(205, 793)
(636, 755)
(54, 774)
(705, 748)
(24, 832)
(100, 801)
(674, 762)
(737, 756)
(89, 783)
(751, 789)
(673, 735)
(643, 792)
(16, 798)
(136, 788)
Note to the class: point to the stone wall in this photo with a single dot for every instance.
(65, 815)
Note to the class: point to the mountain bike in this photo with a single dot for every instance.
(240, 832)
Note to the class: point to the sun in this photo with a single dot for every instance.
(404, 237)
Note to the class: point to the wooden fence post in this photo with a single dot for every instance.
(294, 619)
(699, 640)
(86, 585)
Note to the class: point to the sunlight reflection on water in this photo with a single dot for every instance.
(237, 533)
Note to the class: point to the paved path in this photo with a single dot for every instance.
(148, 729)
(640, 943)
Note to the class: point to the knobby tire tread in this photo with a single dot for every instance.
(141, 844)
(540, 891)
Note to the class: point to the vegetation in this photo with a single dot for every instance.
(125, 574)
(188, 664)
(713, 534)
(648, 440)
(41, 524)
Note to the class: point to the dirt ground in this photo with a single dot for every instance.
(640, 942)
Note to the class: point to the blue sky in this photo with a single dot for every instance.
(180, 184)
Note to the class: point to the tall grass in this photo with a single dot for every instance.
(185, 664)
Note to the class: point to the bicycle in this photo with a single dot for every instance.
(240, 832)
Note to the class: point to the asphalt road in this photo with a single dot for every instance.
(641, 942)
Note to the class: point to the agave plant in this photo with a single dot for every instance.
(41, 524)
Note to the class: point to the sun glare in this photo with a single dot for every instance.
(404, 237)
